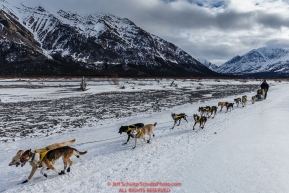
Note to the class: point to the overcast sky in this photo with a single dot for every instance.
(215, 30)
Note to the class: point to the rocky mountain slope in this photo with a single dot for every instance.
(208, 64)
(67, 43)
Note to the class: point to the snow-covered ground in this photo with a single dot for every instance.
(245, 150)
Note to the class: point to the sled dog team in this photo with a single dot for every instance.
(139, 130)
(46, 157)
(208, 111)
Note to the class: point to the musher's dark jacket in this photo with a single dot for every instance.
(265, 86)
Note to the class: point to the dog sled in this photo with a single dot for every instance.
(259, 96)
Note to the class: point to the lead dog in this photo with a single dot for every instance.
(49, 158)
(142, 132)
(222, 104)
(178, 117)
(244, 100)
(128, 130)
(200, 119)
(16, 159)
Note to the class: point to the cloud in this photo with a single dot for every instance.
(216, 30)
(272, 20)
(278, 43)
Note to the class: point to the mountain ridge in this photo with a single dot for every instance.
(263, 61)
(103, 44)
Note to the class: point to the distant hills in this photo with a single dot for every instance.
(261, 62)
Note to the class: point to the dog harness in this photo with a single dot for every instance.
(41, 156)
(129, 128)
(176, 117)
(203, 109)
(210, 109)
(138, 133)
(198, 119)
(179, 117)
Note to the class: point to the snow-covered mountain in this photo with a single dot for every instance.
(208, 64)
(93, 43)
(262, 61)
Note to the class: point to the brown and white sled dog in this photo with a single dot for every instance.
(201, 120)
(222, 104)
(244, 100)
(16, 159)
(142, 132)
(237, 101)
(49, 158)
